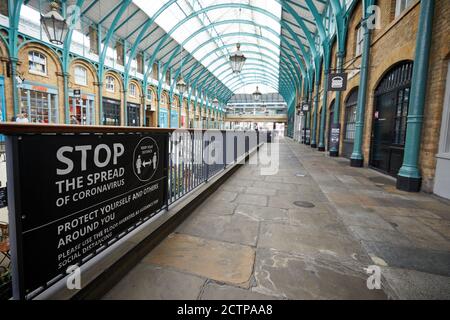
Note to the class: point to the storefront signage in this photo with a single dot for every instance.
(305, 107)
(39, 88)
(337, 82)
(80, 194)
(77, 93)
(335, 136)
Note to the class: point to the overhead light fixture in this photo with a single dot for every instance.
(181, 85)
(55, 26)
(237, 59)
(257, 94)
(215, 102)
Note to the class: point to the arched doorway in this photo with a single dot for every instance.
(330, 122)
(350, 123)
(390, 118)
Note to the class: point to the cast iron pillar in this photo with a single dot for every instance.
(357, 158)
(409, 177)
(334, 151)
(316, 109)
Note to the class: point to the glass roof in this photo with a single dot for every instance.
(258, 34)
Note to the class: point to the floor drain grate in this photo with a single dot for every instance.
(304, 204)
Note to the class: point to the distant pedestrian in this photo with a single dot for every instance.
(21, 118)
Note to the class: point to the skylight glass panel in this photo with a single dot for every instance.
(220, 39)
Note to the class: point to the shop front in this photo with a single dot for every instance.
(173, 118)
(163, 118)
(133, 111)
(183, 120)
(39, 103)
(111, 112)
(149, 114)
(390, 119)
(82, 108)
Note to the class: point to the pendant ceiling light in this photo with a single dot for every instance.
(215, 102)
(181, 84)
(237, 60)
(257, 94)
(55, 26)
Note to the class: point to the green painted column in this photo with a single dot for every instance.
(409, 177)
(334, 152)
(314, 120)
(308, 119)
(357, 158)
(323, 117)
(15, 90)
(66, 76)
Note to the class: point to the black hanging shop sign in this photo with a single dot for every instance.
(337, 82)
(77, 194)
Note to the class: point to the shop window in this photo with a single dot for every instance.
(359, 40)
(133, 90)
(80, 75)
(40, 107)
(82, 110)
(110, 84)
(133, 114)
(37, 63)
(402, 5)
(111, 112)
(350, 116)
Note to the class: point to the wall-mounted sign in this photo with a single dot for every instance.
(305, 107)
(77, 93)
(337, 82)
(83, 192)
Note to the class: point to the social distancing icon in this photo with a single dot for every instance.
(146, 157)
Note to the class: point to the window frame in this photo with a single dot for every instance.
(35, 53)
(113, 83)
(401, 6)
(132, 93)
(359, 41)
(79, 67)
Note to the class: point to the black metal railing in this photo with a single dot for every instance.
(187, 159)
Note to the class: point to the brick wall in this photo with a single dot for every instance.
(394, 42)
(440, 54)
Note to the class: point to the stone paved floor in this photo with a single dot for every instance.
(250, 241)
